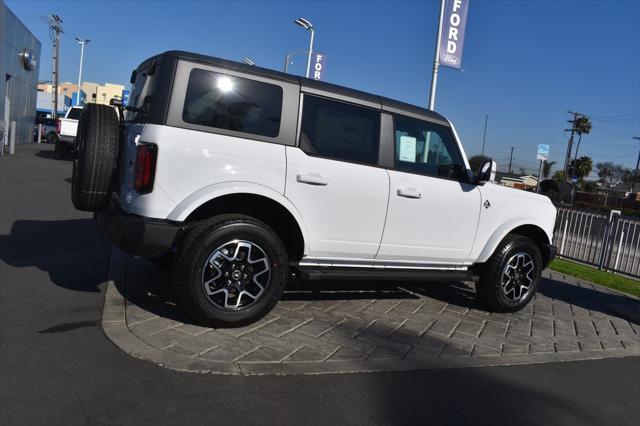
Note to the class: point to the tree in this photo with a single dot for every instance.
(582, 126)
(590, 186)
(557, 176)
(546, 168)
(612, 174)
(581, 167)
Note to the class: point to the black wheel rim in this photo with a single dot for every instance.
(236, 275)
(518, 277)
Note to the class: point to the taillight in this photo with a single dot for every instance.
(145, 167)
(58, 126)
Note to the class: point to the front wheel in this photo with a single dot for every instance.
(230, 271)
(510, 278)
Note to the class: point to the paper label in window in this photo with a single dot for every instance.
(408, 149)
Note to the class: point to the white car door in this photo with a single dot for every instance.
(432, 215)
(333, 181)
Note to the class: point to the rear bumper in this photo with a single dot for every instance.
(67, 139)
(137, 235)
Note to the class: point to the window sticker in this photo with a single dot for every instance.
(408, 149)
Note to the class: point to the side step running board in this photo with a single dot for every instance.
(337, 273)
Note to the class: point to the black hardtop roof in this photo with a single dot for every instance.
(387, 103)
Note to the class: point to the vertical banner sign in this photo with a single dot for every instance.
(452, 35)
(319, 64)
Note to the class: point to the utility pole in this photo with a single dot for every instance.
(55, 29)
(510, 159)
(635, 174)
(484, 137)
(567, 158)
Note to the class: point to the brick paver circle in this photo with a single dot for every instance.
(325, 327)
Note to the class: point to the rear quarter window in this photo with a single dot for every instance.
(233, 103)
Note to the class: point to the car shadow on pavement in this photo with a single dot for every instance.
(591, 299)
(73, 252)
(50, 155)
(151, 290)
(594, 300)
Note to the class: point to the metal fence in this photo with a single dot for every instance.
(609, 242)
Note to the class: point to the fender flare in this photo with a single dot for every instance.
(499, 234)
(211, 192)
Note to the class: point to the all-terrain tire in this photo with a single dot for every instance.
(96, 156)
(500, 293)
(194, 256)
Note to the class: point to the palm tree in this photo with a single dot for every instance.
(582, 126)
(581, 167)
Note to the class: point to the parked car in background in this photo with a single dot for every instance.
(244, 175)
(67, 129)
(48, 131)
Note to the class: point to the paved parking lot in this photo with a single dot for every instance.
(324, 326)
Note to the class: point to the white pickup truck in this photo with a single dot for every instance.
(67, 129)
(246, 176)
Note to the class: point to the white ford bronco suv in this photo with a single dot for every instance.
(245, 176)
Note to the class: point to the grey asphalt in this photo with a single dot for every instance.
(57, 367)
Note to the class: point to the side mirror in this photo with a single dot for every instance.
(115, 102)
(487, 172)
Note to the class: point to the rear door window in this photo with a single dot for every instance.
(233, 103)
(340, 131)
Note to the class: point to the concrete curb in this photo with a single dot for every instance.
(114, 324)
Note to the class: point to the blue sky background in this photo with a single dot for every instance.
(525, 62)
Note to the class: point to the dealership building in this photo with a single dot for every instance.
(19, 69)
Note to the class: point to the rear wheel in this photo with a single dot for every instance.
(51, 137)
(510, 278)
(230, 271)
(95, 162)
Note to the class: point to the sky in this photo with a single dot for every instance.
(525, 63)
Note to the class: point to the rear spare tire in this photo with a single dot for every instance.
(95, 160)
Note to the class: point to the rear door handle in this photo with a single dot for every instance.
(313, 179)
(409, 193)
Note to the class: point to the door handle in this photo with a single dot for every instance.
(313, 179)
(409, 193)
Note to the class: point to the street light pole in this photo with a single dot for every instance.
(82, 43)
(313, 32)
(304, 23)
